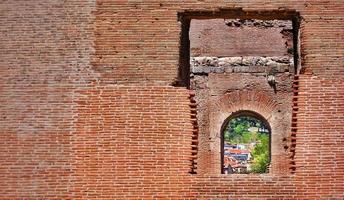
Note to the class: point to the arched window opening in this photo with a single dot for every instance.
(246, 145)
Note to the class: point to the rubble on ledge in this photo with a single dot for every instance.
(240, 64)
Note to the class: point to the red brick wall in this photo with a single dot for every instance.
(246, 187)
(64, 137)
(132, 143)
(319, 150)
(35, 146)
(119, 142)
(214, 38)
(45, 55)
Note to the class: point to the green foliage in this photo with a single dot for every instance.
(261, 155)
(237, 132)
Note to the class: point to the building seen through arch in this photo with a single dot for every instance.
(246, 145)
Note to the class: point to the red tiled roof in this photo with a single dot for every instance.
(238, 151)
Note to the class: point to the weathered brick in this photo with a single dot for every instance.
(88, 110)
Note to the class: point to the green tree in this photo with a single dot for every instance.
(261, 154)
(237, 132)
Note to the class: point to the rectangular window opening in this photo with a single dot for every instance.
(234, 18)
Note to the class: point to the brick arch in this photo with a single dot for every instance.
(258, 102)
(248, 113)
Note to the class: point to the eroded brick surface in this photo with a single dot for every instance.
(222, 38)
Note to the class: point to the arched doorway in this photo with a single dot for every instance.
(246, 144)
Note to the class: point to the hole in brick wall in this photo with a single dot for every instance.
(245, 144)
(228, 52)
(209, 37)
